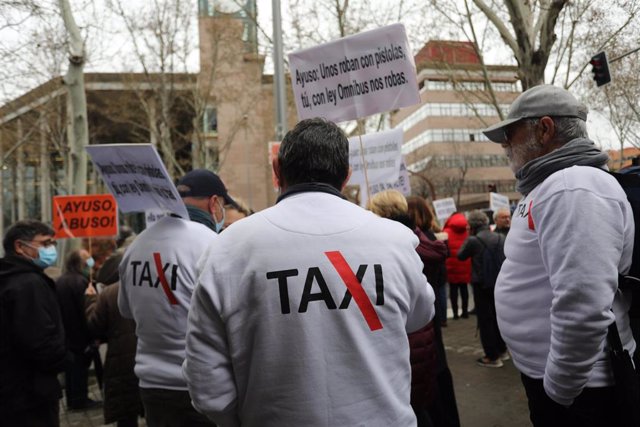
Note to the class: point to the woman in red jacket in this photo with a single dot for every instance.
(458, 272)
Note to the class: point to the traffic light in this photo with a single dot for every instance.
(600, 69)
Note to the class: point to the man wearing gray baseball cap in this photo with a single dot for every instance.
(571, 235)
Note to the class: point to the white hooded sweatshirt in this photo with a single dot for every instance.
(160, 311)
(274, 339)
(569, 238)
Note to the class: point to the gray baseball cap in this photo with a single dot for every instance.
(539, 101)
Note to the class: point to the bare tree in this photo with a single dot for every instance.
(74, 80)
(159, 31)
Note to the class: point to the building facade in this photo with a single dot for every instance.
(444, 149)
(221, 118)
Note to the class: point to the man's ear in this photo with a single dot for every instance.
(212, 204)
(17, 247)
(547, 131)
(344, 184)
(276, 171)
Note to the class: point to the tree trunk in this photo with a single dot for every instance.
(22, 211)
(1, 185)
(45, 175)
(74, 80)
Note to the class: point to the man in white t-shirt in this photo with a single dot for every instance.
(570, 237)
(301, 311)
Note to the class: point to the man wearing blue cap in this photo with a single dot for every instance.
(571, 235)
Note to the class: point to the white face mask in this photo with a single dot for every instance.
(219, 225)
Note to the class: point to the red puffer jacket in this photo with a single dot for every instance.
(423, 365)
(456, 227)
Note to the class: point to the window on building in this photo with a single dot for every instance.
(210, 121)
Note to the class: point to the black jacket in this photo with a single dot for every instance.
(32, 346)
(70, 288)
(473, 248)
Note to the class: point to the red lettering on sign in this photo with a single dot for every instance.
(355, 288)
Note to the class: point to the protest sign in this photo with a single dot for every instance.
(137, 178)
(151, 216)
(497, 201)
(382, 158)
(444, 208)
(355, 76)
(382, 154)
(85, 216)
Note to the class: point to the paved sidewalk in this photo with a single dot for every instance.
(487, 397)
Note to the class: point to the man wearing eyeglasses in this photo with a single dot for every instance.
(32, 344)
(571, 235)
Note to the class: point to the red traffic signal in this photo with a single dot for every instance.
(600, 69)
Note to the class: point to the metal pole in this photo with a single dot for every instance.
(278, 73)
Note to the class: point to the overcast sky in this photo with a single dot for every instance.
(110, 48)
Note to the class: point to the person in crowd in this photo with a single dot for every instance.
(205, 197)
(122, 404)
(236, 212)
(502, 219)
(480, 240)
(70, 288)
(571, 235)
(432, 394)
(158, 274)
(302, 310)
(436, 271)
(458, 272)
(32, 343)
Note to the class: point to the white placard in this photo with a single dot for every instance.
(382, 154)
(137, 178)
(444, 208)
(402, 184)
(497, 201)
(151, 216)
(355, 76)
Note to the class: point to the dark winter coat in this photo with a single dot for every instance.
(32, 343)
(121, 394)
(474, 249)
(424, 363)
(433, 253)
(456, 227)
(70, 288)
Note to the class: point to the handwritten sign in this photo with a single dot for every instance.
(85, 216)
(355, 76)
(444, 208)
(137, 178)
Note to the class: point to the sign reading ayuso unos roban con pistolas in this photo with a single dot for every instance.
(355, 76)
